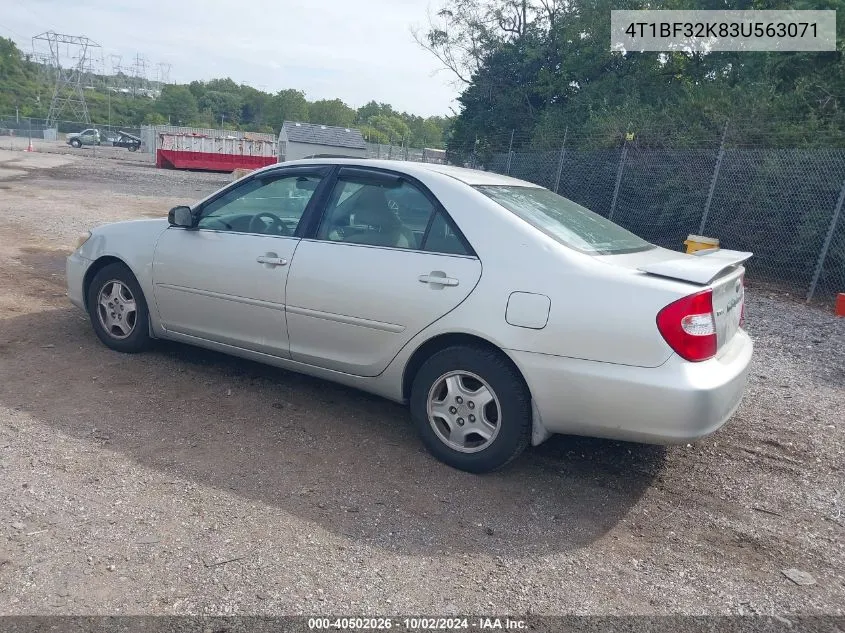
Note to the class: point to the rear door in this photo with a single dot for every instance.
(384, 263)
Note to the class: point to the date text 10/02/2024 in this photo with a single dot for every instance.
(417, 624)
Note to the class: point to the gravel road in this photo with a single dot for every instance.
(181, 481)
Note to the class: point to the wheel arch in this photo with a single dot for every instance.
(96, 267)
(440, 342)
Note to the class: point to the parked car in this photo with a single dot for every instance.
(127, 140)
(508, 314)
(91, 136)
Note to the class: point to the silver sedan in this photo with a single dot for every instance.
(498, 310)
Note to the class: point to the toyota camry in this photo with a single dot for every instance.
(499, 311)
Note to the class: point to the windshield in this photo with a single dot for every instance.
(567, 222)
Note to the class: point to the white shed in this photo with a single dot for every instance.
(309, 140)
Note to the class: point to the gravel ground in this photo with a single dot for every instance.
(183, 481)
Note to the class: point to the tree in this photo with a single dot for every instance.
(223, 85)
(225, 106)
(535, 68)
(463, 33)
(255, 108)
(331, 112)
(288, 105)
(178, 103)
(372, 108)
(372, 135)
(393, 127)
(154, 118)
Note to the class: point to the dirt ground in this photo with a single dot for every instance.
(183, 481)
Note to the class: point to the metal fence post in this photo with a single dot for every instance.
(713, 180)
(618, 180)
(828, 238)
(560, 160)
(510, 155)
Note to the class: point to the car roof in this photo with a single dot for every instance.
(467, 176)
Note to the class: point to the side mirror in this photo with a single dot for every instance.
(181, 216)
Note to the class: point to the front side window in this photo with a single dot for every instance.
(267, 206)
(565, 221)
(377, 215)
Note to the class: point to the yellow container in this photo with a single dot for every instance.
(699, 243)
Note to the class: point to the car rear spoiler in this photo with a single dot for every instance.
(700, 268)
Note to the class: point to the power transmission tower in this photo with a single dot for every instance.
(117, 75)
(163, 73)
(69, 69)
(139, 74)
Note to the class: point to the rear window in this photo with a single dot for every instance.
(565, 221)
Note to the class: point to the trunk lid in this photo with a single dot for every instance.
(728, 304)
(700, 268)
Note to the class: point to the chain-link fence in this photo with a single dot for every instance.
(783, 204)
(740, 184)
(402, 152)
(26, 127)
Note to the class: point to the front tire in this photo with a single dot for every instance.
(118, 310)
(472, 408)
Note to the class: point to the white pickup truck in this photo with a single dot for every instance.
(91, 136)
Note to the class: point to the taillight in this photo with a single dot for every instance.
(742, 307)
(689, 327)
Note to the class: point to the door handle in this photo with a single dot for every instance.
(271, 260)
(438, 278)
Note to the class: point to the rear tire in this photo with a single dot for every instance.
(118, 310)
(75, 142)
(472, 408)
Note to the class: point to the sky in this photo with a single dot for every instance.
(357, 51)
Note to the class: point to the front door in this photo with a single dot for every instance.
(386, 263)
(224, 280)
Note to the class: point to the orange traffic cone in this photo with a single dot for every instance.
(30, 148)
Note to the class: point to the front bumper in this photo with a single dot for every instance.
(675, 403)
(75, 269)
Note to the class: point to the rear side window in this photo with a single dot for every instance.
(442, 238)
(565, 221)
(376, 215)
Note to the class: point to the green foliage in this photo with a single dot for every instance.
(223, 106)
(178, 104)
(538, 67)
(331, 112)
(25, 85)
(154, 118)
(393, 127)
(288, 105)
(372, 135)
